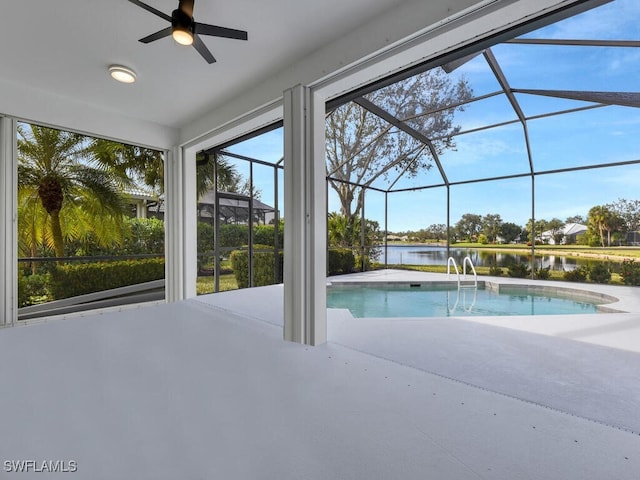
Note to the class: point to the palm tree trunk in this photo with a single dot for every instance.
(601, 235)
(56, 233)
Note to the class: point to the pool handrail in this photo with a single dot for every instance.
(466, 260)
(473, 302)
(451, 261)
(450, 309)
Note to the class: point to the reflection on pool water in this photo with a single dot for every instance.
(406, 301)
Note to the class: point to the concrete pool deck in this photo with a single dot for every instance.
(206, 388)
(586, 365)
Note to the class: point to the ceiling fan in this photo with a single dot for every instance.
(185, 30)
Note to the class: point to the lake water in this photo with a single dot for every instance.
(437, 255)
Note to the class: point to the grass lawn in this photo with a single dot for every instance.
(206, 284)
(614, 253)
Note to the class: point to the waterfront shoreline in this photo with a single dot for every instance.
(542, 250)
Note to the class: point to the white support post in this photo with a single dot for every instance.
(8, 222)
(180, 234)
(305, 249)
(172, 225)
(189, 222)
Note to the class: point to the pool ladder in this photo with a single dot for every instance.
(465, 306)
(467, 259)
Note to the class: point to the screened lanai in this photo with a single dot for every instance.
(540, 125)
(207, 391)
(241, 212)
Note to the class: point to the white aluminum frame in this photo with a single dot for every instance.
(305, 207)
(8, 221)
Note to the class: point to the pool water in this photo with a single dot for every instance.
(381, 301)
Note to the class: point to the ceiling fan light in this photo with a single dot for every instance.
(182, 36)
(122, 74)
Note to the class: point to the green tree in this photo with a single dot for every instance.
(361, 147)
(535, 231)
(491, 224)
(64, 187)
(140, 165)
(509, 231)
(229, 180)
(576, 219)
(469, 226)
(602, 218)
(629, 212)
(346, 232)
(340, 231)
(437, 231)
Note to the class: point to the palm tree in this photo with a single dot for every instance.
(79, 191)
(228, 178)
(145, 164)
(602, 218)
(340, 230)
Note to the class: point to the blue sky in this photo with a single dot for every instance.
(598, 136)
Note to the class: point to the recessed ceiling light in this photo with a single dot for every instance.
(122, 74)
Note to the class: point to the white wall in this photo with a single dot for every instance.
(45, 108)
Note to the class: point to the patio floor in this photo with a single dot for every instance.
(206, 388)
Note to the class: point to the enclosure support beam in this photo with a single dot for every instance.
(448, 222)
(216, 223)
(305, 246)
(386, 229)
(173, 226)
(180, 224)
(8, 222)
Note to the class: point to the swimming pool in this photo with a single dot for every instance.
(443, 301)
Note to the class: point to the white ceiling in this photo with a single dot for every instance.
(64, 47)
(54, 57)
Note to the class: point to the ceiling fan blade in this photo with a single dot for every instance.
(202, 49)
(149, 8)
(186, 6)
(165, 32)
(215, 31)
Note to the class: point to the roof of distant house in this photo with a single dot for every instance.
(568, 229)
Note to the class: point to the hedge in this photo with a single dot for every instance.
(600, 273)
(630, 272)
(264, 235)
(341, 260)
(232, 235)
(518, 270)
(32, 288)
(23, 294)
(263, 266)
(578, 274)
(72, 280)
